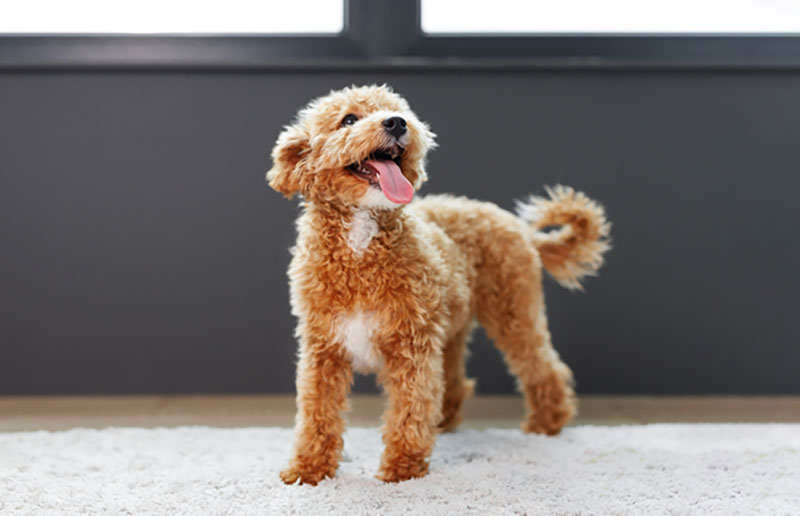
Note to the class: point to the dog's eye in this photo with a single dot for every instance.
(349, 119)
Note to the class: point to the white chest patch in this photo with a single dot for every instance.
(354, 332)
(362, 229)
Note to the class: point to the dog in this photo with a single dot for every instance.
(384, 283)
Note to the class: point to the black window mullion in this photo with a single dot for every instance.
(383, 28)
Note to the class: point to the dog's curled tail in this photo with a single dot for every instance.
(574, 250)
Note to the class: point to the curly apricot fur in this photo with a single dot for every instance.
(426, 273)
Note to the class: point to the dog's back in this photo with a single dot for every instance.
(486, 232)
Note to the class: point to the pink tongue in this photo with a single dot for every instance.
(393, 183)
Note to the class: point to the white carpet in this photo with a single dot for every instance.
(638, 470)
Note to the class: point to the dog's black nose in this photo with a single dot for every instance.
(396, 126)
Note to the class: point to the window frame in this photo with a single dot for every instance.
(367, 41)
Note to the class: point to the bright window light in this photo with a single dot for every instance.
(611, 16)
(171, 16)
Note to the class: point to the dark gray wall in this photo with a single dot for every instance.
(142, 252)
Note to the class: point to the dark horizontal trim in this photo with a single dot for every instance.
(611, 34)
(341, 52)
(620, 50)
(49, 52)
(338, 56)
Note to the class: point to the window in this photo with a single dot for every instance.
(294, 34)
(611, 16)
(171, 16)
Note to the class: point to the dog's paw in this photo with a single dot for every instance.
(552, 406)
(534, 426)
(549, 419)
(311, 475)
(403, 471)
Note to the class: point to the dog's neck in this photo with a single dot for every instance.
(357, 227)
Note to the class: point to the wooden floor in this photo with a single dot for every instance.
(25, 413)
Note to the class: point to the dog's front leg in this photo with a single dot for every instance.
(323, 381)
(412, 377)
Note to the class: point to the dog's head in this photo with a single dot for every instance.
(360, 146)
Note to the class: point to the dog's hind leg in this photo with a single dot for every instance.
(457, 387)
(511, 309)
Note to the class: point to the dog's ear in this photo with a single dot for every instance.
(292, 145)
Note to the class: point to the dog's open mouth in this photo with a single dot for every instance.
(382, 170)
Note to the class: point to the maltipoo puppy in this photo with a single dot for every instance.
(385, 283)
